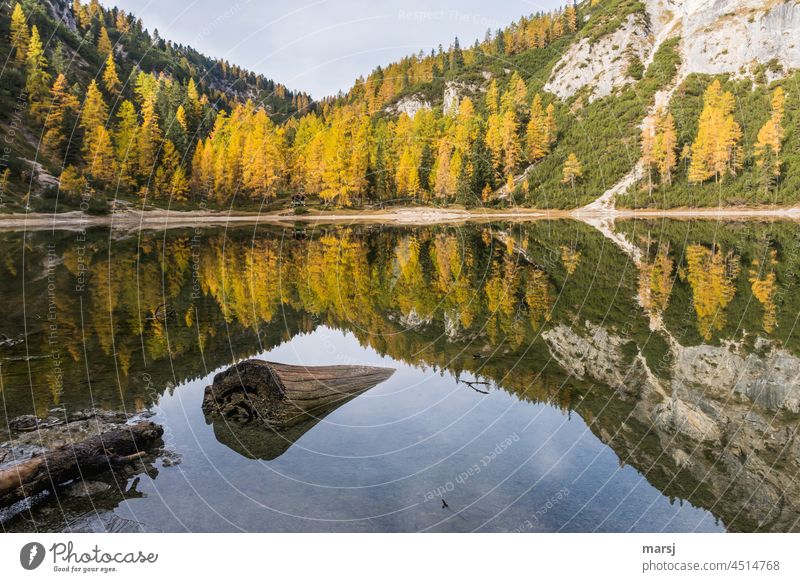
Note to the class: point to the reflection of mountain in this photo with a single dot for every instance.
(691, 349)
(716, 429)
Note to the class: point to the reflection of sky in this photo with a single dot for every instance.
(376, 463)
(322, 46)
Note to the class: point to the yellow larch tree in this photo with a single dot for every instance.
(62, 102)
(148, 141)
(19, 35)
(110, 78)
(717, 149)
(572, 170)
(770, 142)
(664, 148)
(104, 46)
(655, 281)
(570, 258)
(94, 114)
(537, 135)
(511, 146)
(125, 142)
(38, 79)
(102, 163)
(445, 181)
(648, 140)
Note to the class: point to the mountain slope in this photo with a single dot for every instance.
(557, 110)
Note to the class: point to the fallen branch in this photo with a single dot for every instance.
(106, 452)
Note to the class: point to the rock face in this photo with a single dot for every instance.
(410, 105)
(717, 36)
(454, 92)
(717, 428)
(603, 65)
(726, 36)
(62, 12)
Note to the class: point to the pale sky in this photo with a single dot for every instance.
(322, 46)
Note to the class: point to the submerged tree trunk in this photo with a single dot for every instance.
(108, 451)
(281, 395)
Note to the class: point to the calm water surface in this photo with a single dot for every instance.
(548, 377)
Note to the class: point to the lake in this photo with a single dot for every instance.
(551, 376)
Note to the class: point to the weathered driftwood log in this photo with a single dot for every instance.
(259, 409)
(108, 451)
(281, 395)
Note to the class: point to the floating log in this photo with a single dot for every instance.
(108, 451)
(259, 409)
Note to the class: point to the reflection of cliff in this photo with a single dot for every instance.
(718, 428)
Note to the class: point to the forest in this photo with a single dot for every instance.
(100, 111)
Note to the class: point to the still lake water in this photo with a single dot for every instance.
(549, 376)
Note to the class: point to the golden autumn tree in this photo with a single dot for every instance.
(717, 149)
(493, 98)
(494, 140)
(570, 258)
(148, 141)
(125, 142)
(770, 142)
(538, 131)
(62, 102)
(664, 147)
(263, 156)
(445, 180)
(550, 124)
(110, 79)
(511, 145)
(571, 18)
(539, 298)
(37, 83)
(104, 46)
(102, 162)
(94, 114)
(407, 174)
(19, 35)
(659, 141)
(572, 170)
(648, 140)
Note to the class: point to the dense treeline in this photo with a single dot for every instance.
(69, 73)
(722, 141)
(182, 129)
(160, 136)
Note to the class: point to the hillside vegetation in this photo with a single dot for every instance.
(550, 112)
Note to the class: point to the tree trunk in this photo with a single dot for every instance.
(108, 451)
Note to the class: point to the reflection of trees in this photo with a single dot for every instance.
(712, 276)
(570, 258)
(762, 279)
(655, 281)
(462, 291)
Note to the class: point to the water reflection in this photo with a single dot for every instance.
(673, 353)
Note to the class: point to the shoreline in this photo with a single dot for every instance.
(412, 216)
